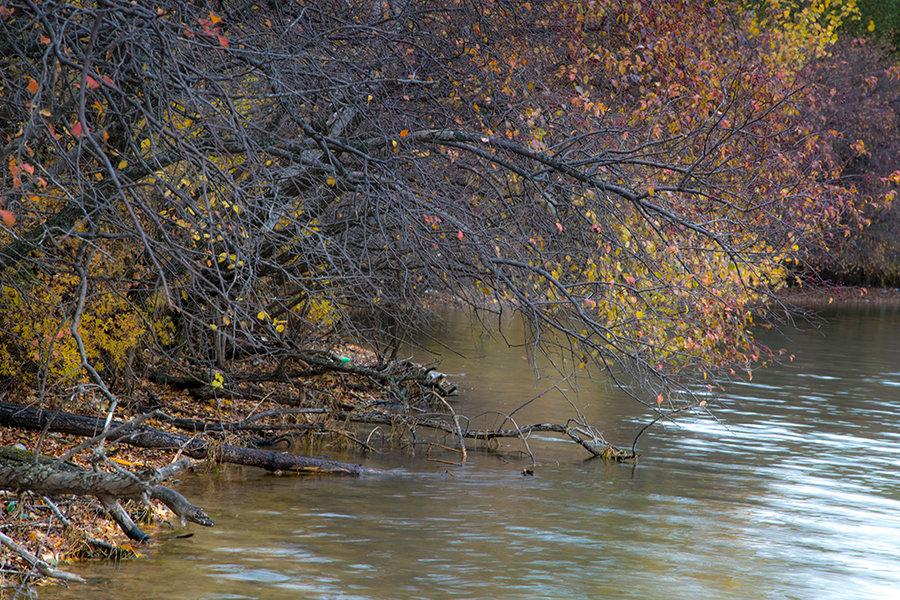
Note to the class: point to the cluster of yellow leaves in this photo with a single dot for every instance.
(321, 311)
(800, 30)
(36, 318)
(36, 330)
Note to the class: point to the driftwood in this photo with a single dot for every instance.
(26, 417)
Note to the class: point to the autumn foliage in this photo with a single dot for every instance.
(633, 178)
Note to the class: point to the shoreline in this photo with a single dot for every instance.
(839, 296)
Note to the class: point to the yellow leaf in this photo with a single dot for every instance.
(262, 315)
(871, 25)
(123, 164)
(279, 328)
(145, 144)
(218, 381)
(651, 191)
(331, 181)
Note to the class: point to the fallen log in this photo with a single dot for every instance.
(21, 471)
(27, 417)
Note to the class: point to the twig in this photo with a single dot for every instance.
(459, 431)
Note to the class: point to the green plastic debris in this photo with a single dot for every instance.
(344, 359)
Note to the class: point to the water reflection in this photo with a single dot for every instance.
(793, 493)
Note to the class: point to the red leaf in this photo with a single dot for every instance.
(223, 41)
(107, 80)
(559, 226)
(92, 83)
(460, 235)
(28, 168)
(77, 130)
(659, 399)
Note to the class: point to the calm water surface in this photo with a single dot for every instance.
(793, 493)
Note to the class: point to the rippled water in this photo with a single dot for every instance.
(792, 493)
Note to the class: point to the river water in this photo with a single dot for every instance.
(792, 492)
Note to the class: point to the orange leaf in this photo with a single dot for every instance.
(7, 218)
(33, 86)
(214, 18)
(404, 133)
